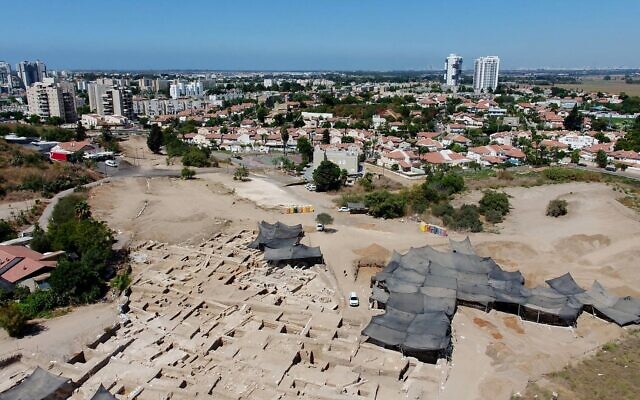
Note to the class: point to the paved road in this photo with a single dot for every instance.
(624, 174)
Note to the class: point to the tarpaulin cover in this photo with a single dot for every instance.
(39, 385)
(423, 287)
(276, 235)
(103, 394)
(462, 246)
(297, 252)
(565, 284)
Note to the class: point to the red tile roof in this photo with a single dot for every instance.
(21, 262)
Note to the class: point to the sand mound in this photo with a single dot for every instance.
(373, 254)
(581, 244)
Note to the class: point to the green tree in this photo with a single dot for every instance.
(81, 132)
(39, 241)
(573, 121)
(601, 158)
(305, 148)
(154, 140)
(324, 219)
(327, 176)
(575, 156)
(326, 137)
(284, 135)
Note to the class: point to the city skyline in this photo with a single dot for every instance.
(331, 35)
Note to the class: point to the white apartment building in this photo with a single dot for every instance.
(453, 70)
(52, 100)
(578, 141)
(485, 75)
(181, 89)
(107, 99)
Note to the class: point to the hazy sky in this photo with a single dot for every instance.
(322, 34)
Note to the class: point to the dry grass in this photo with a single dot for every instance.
(613, 373)
(600, 85)
(19, 165)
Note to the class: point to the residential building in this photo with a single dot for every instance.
(52, 100)
(31, 72)
(19, 263)
(5, 74)
(485, 75)
(181, 89)
(108, 99)
(344, 156)
(453, 70)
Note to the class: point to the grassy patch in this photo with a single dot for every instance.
(613, 373)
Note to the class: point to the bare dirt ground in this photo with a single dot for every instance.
(596, 240)
(495, 354)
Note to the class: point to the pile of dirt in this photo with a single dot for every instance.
(372, 256)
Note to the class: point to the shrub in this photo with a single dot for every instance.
(187, 173)
(13, 319)
(7, 231)
(195, 157)
(466, 217)
(494, 206)
(121, 281)
(557, 208)
(494, 216)
(38, 302)
(241, 174)
(442, 209)
(384, 204)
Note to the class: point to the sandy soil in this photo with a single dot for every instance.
(495, 354)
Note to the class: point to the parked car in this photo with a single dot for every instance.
(611, 168)
(353, 299)
(343, 209)
(581, 164)
(319, 227)
(312, 188)
(111, 163)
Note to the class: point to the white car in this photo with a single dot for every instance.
(111, 163)
(343, 209)
(353, 299)
(319, 227)
(312, 188)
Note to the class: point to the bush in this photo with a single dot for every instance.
(13, 319)
(557, 208)
(121, 281)
(187, 173)
(466, 217)
(494, 216)
(7, 231)
(442, 209)
(384, 204)
(241, 174)
(494, 206)
(195, 157)
(38, 302)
